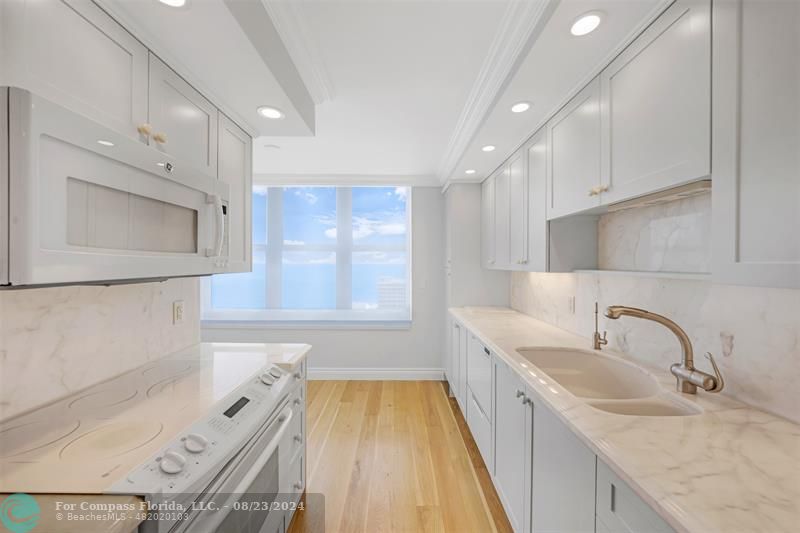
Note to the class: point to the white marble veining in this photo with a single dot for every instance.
(670, 237)
(56, 341)
(731, 469)
(754, 332)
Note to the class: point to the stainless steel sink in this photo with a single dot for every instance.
(589, 374)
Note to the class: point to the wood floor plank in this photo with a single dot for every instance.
(396, 457)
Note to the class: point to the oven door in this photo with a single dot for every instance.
(246, 496)
(88, 204)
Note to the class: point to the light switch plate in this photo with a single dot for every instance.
(177, 312)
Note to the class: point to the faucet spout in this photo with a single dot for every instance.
(689, 378)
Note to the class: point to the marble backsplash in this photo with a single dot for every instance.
(56, 341)
(668, 237)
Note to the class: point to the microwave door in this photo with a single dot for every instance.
(91, 205)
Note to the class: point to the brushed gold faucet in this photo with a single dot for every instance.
(689, 378)
(599, 341)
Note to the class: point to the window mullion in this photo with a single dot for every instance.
(274, 247)
(344, 248)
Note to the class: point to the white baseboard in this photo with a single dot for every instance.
(378, 374)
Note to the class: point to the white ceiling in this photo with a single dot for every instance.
(400, 73)
(556, 67)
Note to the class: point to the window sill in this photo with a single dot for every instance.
(311, 324)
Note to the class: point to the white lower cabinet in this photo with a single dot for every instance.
(457, 364)
(620, 510)
(563, 477)
(512, 444)
(547, 479)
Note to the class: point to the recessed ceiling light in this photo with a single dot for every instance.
(470, 171)
(586, 23)
(272, 146)
(105, 143)
(520, 107)
(488, 148)
(270, 112)
(173, 3)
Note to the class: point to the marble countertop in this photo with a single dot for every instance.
(729, 469)
(84, 443)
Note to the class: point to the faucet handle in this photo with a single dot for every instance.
(719, 382)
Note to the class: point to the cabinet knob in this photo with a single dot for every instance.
(145, 129)
(298, 486)
(594, 191)
(603, 188)
(520, 394)
(160, 138)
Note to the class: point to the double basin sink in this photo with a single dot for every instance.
(607, 383)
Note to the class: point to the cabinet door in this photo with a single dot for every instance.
(479, 374)
(73, 54)
(518, 210)
(236, 169)
(488, 247)
(620, 510)
(538, 239)
(454, 359)
(574, 149)
(656, 106)
(512, 444)
(756, 200)
(501, 218)
(563, 481)
(185, 119)
(462, 367)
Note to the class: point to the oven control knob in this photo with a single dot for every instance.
(275, 373)
(266, 379)
(172, 463)
(195, 443)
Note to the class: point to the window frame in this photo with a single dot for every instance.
(273, 316)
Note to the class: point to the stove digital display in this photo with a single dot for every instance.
(235, 408)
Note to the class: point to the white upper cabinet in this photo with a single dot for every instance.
(501, 219)
(518, 210)
(235, 169)
(73, 54)
(538, 239)
(656, 106)
(756, 165)
(512, 438)
(574, 164)
(184, 123)
(488, 249)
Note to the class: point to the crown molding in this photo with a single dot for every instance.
(521, 24)
(343, 180)
(288, 19)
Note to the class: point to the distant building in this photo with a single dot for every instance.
(391, 293)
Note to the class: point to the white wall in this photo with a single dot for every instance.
(413, 353)
(56, 341)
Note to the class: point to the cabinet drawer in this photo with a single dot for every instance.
(619, 509)
(480, 427)
(479, 374)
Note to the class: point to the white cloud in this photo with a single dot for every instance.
(401, 192)
(291, 242)
(307, 196)
(330, 233)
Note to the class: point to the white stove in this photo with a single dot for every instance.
(157, 429)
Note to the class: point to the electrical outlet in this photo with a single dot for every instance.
(571, 305)
(177, 312)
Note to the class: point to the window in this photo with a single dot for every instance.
(321, 254)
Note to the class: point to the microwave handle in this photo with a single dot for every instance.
(217, 518)
(219, 224)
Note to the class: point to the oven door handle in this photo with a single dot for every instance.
(219, 515)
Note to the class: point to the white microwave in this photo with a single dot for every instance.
(80, 203)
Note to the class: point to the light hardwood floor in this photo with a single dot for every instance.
(394, 456)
